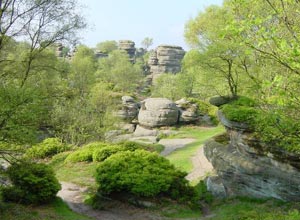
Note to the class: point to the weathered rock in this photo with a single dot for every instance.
(129, 109)
(140, 132)
(156, 112)
(129, 47)
(145, 139)
(188, 111)
(166, 59)
(219, 100)
(215, 186)
(246, 171)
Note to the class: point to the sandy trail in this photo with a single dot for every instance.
(201, 166)
(73, 195)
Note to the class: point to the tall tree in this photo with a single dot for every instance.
(147, 42)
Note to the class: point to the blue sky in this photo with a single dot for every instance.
(162, 20)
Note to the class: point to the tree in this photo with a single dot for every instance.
(107, 46)
(118, 70)
(28, 69)
(147, 42)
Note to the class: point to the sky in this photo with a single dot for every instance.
(161, 20)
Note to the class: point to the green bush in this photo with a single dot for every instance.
(85, 153)
(238, 113)
(242, 109)
(141, 173)
(100, 155)
(47, 148)
(206, 108)
(32, 183)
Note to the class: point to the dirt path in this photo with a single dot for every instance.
(174, 144)
(73, 195)
(201, 166)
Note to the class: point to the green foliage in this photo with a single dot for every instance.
(118, 70)
(107, 46)
(241, 110)
(85, 153)
(172, 86)
(32, 183)
(47, 148)
(100, 155)
(206, 108)
(141, 173)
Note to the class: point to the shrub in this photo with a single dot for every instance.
(206, 109)
(32, 183)
(85, 153)
(47, 148)
(141, 173)
(241, 110)
(100, 155)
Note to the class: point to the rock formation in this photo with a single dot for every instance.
(188, 111)
(166, 59)
(129, 47)
(247, 167)
(129, 109)
(156, 112)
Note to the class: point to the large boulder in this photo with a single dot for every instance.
(156, 112)
(166, 59)
(129, 47)
(248, 167)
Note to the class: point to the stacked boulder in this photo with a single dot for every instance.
(156, 112)
(129, 47)
(188, 111)
(129, 109)
(166, 59)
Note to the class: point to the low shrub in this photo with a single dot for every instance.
(47, 148)
(31, 184)
(85, 153)
(206, 108)
(242, 109)
(141, 174)
(101, 154)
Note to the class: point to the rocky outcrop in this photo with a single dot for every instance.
(188, 111)
(129, 110)
(156, 112)
(247, 167)
(129, 47)
(166, 59)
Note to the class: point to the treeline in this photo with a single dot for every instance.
(251, 48)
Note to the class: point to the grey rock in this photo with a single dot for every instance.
(129, 47)
(245, 171)
(216, 187)
(140, 132)
(129, 109)
(145, 139)
(188, 111)
(166, 59)
(220, 100)
(156, 112)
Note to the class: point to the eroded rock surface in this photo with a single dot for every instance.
(156, 112)
(246, 167)
(166, 59)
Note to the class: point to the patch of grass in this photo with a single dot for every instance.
(181, 158)
(254, 209)
(57, 210)
(175, 211)
(81, 173)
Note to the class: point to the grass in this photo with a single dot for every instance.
(255, 209)
(181, 158)
(57, 210)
